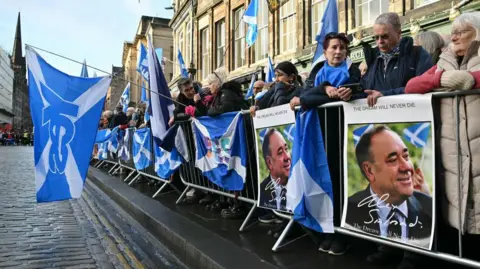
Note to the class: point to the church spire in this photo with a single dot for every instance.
(17, 53)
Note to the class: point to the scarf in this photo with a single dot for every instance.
(336, 76)
(388, 56)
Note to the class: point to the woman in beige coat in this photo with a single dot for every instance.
(458, 69)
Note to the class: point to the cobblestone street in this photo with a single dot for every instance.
(66, 234)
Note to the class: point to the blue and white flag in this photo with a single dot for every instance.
(141, 148)
(260, 94)
(142, 65)
(181, 63)
(172, 153)
(161, 103)
(262, 134)
(102, 151)
(105, 135)
(289, 132)
(270, 72)
(124, 144)
(328, 24)
(65, 112)
(250, 89)
(221, 152)
(357, 133)
(417, 134)
(125, 98)
(309, 188)
(250, 17)
(84, 73)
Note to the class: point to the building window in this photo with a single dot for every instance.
(239, 45)
(318, 7)
(288, 38)
(368, 10)
(421, 3)
(261, 45)
(220, 43)
(205, 51)
(188, 44)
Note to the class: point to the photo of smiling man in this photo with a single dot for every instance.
(388, 196)
(275, 150)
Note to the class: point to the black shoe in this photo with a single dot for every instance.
(338, 247)
(326, 244)
(381, 258)
(269, 218)
(233, 212)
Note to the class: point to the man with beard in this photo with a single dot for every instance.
(278, 161)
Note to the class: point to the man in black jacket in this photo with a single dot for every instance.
(120, 118)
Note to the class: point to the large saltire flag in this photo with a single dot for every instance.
(172, 152)
(65, 112)
(142, 157)
(417, 134)
(309, 188)
(221, 152)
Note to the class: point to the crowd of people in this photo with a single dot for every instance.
(397, 65)
(16, 138)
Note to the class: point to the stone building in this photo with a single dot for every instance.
(289, 32)
(21, 106)
(161, 34)
(6, 89)
(116, 88)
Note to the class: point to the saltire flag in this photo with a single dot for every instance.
(142, 65)
(289, 132)
(124, 144)
(270, 73)
(125, 98)
(65, 112)
(161, 104)
(172, 153)
(103, 151)
(417, 134)
(250, 88)
(141, 148)
(250, 17)
(328, 24)
(221, 152)
(181, 63)
(358, 132)
(309, 188)
(84, 73)
(262, 134)
(105, 135)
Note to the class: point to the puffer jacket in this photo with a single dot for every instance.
(469, 127)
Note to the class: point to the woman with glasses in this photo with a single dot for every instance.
(327, 77)
(458, 69)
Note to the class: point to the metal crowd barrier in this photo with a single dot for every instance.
(192, 177)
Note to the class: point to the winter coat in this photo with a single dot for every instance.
(228, 99)
(279, 95)
(469, 127)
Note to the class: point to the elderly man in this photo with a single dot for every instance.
(394, 62)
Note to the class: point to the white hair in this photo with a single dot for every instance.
(468, 19)
(107, 114)
(219, 76)
(391, 18)
(431, 41)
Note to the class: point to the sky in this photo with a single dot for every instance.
(93, 30)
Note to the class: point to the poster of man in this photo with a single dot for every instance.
(274, 128)
(390, 170)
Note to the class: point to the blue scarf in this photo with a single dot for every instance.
(336, 76)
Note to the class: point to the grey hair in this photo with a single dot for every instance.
(468, 19)
(431, 41)
(391, 18)
(218, 76)
(107, 114)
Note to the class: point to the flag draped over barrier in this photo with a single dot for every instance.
(221, 152)
(125, 144)
(171, 153)
(141, 148)
(105, 135)
(65, 112)
(309, 188)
